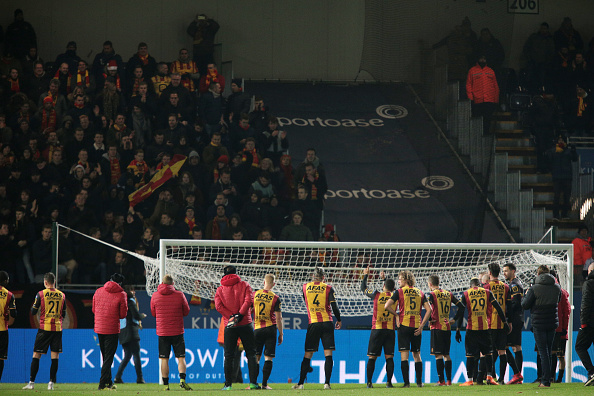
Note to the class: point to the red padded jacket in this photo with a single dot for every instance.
(563, 312)
(481, 85)
(109, 306)
(234, 296)
(169, 306)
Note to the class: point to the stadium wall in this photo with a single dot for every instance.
(297, 40)
(81, 360)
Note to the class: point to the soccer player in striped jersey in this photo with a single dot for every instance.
(410, 326)
(319, 300)
(383, 326)
(7, 314)
(514, 339)
(267, 318)
(478, 301)
(498, 334)
(51, 305)
(441, 333)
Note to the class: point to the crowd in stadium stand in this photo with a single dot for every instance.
(77, 140)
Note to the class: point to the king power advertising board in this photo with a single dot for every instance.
(81, 360)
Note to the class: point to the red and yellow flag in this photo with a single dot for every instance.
(164, 174)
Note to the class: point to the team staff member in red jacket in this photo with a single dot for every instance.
(233, 300)
(169, 306)
(483, 91)
(560, 339)
(109, 306)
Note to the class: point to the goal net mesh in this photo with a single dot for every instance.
(197, 266)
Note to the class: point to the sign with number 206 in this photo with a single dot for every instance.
(522, 6)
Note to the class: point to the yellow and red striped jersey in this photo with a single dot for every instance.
(184, 69)
(51, 304)
(318, 297)
(382, 319)
(501, 293)
(7, 302)
(477, 302)
(441, 301)
(266, 304)
(410, 301)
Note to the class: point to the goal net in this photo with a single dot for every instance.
(197, 266)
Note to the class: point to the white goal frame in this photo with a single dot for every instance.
(568, 248)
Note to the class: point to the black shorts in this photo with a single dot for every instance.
(407, 340)
(319, 331)
(440, 342)
(266, 339)
(515, 337)
(559, 345)
(498, 339)
(48, 339)
(177, 342)
(381, 338)
(477, 342)
(4, 345)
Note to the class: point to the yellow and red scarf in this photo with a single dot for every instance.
(581, 106)
(256, 160)
(115, 170)
(191, 224)
(48, 119)
(68, 87)
(80, 76)
(14, 85)
(144, 59)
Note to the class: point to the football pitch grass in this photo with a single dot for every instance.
(310, 389)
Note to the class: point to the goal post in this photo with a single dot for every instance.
(197, 267)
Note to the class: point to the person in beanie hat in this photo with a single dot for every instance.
(110, 304)
(233, 300)
(238, 102)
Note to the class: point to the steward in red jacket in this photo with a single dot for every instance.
(233, 300)
(560, 339)
(169, 306)
(481, 84)
(110, 304)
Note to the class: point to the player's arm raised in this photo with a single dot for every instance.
(367, 292)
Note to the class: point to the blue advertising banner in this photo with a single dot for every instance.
(81, 360)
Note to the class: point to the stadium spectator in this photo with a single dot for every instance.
(161, 78)
(315, 184)
(212, 108)
(460, 44)
(259, 115)
(187, 69)
(169, 306)
(38, 81)
(233, 300)
(493, 50)
(110, 304)
(296, 231)
(203, 30)
(542, 300)
(568, 37)
(537, 56)
(69, 57)
(585, 336)
(238, 102)
(561, 157)
(19, 36)
(41, 258)
(312, 215)
(209, 77)
(84, 78)
(130, 338)
(64, 75)
(483, 91)
(274, 142)
(110, 101)
(217, 226)
(51, 305)
(102, 59)
(142, 59)
(185, 98)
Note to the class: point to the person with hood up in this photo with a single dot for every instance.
(169, 306)
(233, 300)
(542, 300)
(110, 304)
